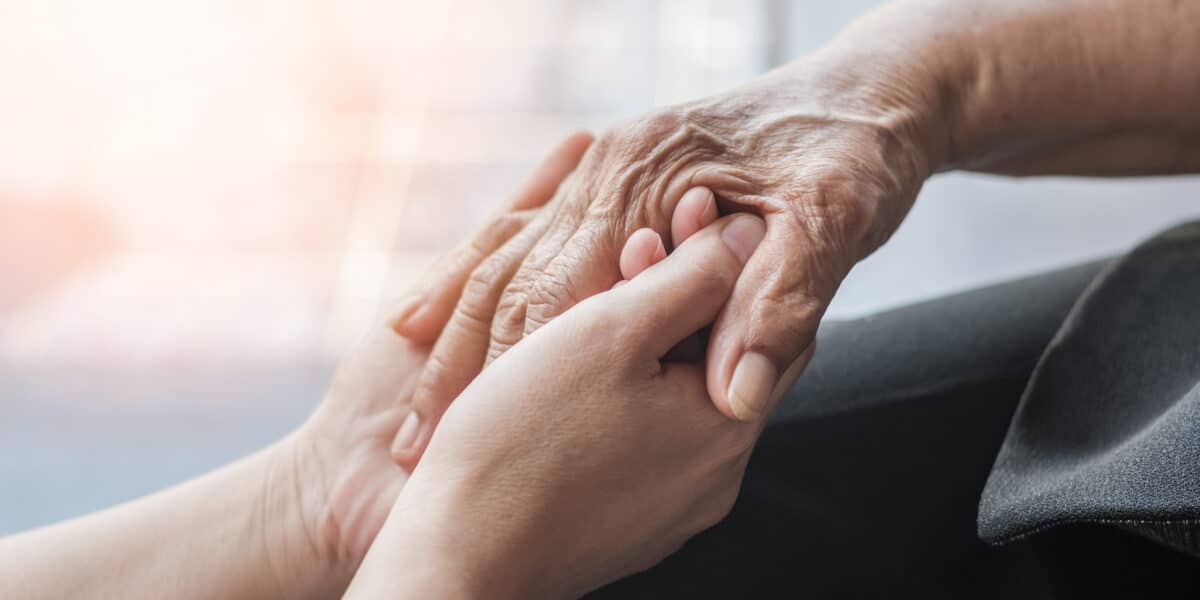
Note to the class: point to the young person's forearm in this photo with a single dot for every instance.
(1094, 87)
(424, 552)
(234, 533)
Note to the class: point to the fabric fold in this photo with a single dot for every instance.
(1108, 429)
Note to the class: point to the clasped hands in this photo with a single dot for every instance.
(579, 455)
(527, 385)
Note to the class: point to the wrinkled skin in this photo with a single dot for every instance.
(831, 152)
(831, 165)
(548, 433)
(343, 451)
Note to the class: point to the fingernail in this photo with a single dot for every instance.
(751, 385)
(406, 437)
(743, 234)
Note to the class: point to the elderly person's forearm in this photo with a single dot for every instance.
(1105, 87)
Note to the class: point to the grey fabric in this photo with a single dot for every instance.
(1108, 430)
(867, 481)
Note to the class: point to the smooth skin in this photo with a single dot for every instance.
(831, 151)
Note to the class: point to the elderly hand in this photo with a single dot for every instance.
(830, 153)
(583, 454)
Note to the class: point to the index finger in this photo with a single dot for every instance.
(425, 314)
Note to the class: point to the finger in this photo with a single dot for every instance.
(764, 336)
(583, 265)
(677, 297)
(586, 266)
(508, 324)
(695, 211)
(568, 278)
(459, 353)
(425, 314)
(643, 249)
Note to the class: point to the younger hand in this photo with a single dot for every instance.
(342, 460)
(581, 455)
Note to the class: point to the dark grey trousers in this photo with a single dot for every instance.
(1057, 416)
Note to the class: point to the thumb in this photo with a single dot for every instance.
(765, 334)
(678, 296)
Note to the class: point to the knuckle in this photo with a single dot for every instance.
(645, 156)
(841, 214)
(471, 319)
(585, 266)
(550, 295)
(480, 288)
(426, 397)
(549, 298)
(496, 349)
(796, 317)
(454, 266)
(486, 291)
(508, 323)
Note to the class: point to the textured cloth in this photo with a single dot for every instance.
(1108, 430)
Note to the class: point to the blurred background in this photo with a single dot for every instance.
(203, 202)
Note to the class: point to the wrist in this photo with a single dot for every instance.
(423, 551)
(289, 509)
(914, 62)
(890, 133)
